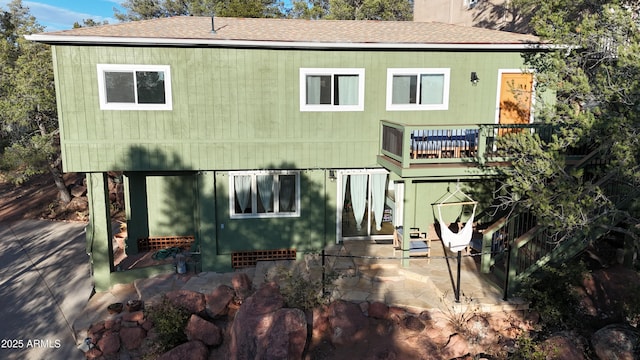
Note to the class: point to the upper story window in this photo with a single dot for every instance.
(134, 87)
(417, 89)
(331, 89)
(264, 194)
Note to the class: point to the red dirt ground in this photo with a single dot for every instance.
(38, 199)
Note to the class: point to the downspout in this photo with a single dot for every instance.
(197, 211)
(324, 220)
(216, 226)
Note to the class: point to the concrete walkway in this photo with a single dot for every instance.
(427, 283)
(44, 283)
(369, 273)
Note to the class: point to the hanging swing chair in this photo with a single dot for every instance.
(460, 240)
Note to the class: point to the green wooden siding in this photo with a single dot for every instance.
(239, 108)
(172, 206)
(310, 232)
(190, 204)
(429, 192)
(161, 205)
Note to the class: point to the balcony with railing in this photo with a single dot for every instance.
(405, 149)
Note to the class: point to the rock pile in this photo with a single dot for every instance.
(120, 332)
(233, 322)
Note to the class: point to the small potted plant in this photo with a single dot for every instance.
(115, 308)
(134, 305)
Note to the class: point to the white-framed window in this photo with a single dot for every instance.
(418, 89)
(325, 89)
(264, 194)
(134, 87)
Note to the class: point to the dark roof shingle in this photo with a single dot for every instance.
(198, 29)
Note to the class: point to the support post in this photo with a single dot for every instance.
(323, 274)
(137, 211)
(483, 135)
(629, 252)
(506, 272)
(458, 281)
(408, 220)
(487, 253)
(512, 267)
(100, 217)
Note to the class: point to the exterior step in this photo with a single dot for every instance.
(382, 274)
(411, 275)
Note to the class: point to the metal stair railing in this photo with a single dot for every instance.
(529, 245)
(535, 249)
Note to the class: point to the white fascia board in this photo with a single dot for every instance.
(99, 40)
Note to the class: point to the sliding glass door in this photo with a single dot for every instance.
(366, 204)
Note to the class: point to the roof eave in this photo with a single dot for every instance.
(138, 41)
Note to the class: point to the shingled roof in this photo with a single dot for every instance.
(196, 30)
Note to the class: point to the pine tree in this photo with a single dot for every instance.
(29, 138)
(594, 74)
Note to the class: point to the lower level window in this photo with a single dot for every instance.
(264, 194)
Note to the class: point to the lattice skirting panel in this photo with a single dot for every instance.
(243, 259)
(165, 242)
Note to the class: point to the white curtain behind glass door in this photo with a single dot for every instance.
(378, 193)
(358, 197)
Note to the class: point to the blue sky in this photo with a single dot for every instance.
(61, 14)
(57, 15)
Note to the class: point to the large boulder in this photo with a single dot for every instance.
(604, 294)
(378, 310)
(480, 330)
(109, 343)
(456, 347)
(192, 301)
(616, 341)
(218, 300)
(266, 300)
(96, 331)
(564, 346)
(348, 323)
(262, 329)
(203, 330)
(318, 318)
(192, 350)
(413, 323)
(288, 335)
(242, 285)
(136, 316)
(93, 353)
(132, 337)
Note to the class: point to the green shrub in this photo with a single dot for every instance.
(527, 349)
(631, 306)
(303, 291)
(553, 296)
(169, 322)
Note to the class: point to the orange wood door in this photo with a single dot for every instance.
(516, 90)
